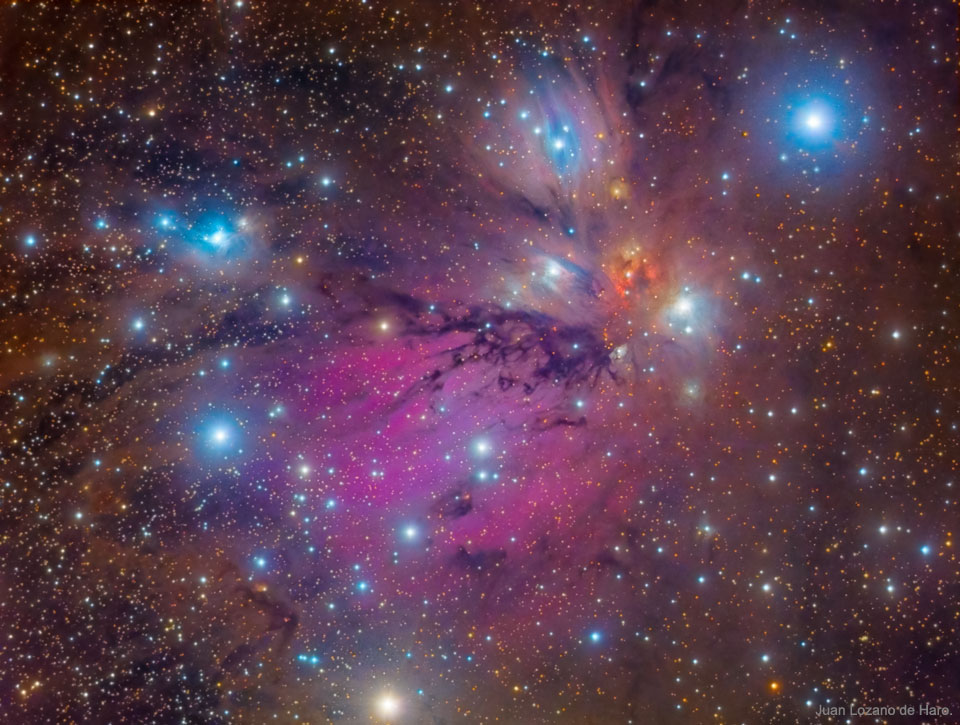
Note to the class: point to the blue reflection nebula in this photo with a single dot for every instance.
(562, 145)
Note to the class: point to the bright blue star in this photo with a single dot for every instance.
(218, 238)
(816, 122)
(221, 436)
(562, 145)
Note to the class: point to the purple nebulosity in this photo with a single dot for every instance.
(496, 362)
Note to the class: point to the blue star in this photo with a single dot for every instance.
(816, 123)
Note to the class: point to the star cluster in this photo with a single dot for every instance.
(488, 362)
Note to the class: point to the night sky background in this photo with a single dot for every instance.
(437, 362)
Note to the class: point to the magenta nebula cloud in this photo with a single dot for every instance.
(487, 362)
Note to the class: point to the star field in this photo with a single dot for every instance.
(505, 362)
